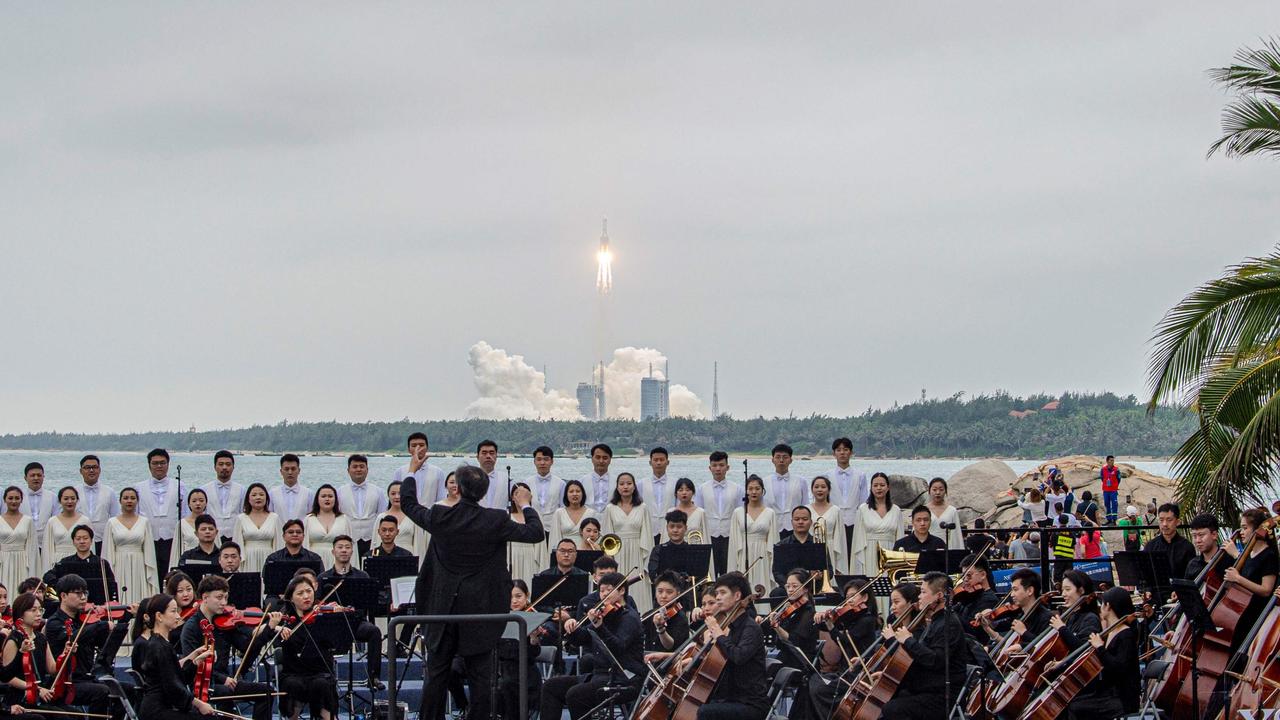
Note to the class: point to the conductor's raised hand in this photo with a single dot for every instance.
(417, 460)
(522, 497)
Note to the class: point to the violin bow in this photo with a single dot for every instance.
(673, 600)
(627, 581)
(551, 589)
(301, 621)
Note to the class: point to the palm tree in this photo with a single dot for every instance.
(1218, 352)
(1251, 123)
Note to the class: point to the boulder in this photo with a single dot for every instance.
(976, 489)
(1081, 473)
(907, 491)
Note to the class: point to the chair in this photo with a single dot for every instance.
(117, 691)
(547, 661)
(771, 665)
(787, 678)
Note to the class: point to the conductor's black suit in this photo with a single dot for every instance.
(464, 572)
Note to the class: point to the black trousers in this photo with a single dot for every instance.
(96, 697)
(479, 668)
(912, 706)
(822, 697)
(720, 554)
(580, 693)
(163, 548)
(731, 711)
(369, 634)
(848, 535)
(261, 706)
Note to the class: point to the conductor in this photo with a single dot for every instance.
(465, 571)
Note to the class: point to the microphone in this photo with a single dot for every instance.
(947, 526)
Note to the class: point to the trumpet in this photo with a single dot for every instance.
(695, 537)
(611, 544)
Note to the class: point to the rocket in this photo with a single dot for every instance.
(604, 262)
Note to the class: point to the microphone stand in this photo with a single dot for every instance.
(746, 533)
(509, 505)
(946, 624)
(177, 525)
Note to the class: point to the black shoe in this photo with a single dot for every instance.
(375, 684)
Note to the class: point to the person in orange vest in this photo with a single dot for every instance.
(1110, 476)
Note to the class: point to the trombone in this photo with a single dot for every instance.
(820, 537)
(611, 544)
(694, 537)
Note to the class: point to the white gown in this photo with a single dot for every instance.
(320, 542)
(57, 539)
(837, 551)
(763, 531)
(133, 559)
(527, 559)
(563, 527)
(637, 543)
(949, 515)
(870, 532)
(255, 542)
(188, 541)
(19, 554)
(410, 537)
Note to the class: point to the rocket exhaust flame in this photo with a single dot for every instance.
(604, 263)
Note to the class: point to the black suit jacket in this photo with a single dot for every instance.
(465, 568)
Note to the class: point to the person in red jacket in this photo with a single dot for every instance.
(1110, 476)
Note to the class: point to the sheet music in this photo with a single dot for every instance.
(402, 590)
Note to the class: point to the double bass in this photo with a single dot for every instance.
(1258, 687)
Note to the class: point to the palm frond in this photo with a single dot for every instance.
(1255, 70)
(1250, 125)
(1231, 316)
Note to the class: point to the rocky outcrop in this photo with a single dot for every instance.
(907, 491)
(976, 489)
(1080, 473)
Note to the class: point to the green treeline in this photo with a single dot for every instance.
(975, 427)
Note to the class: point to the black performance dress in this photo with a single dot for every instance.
(306, 673)
(13, 696)
(166, 691)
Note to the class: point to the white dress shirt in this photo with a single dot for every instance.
(548, 496)
(849, 489)
(158, 503)
(363, 505)
(783, 493)
(430, 479)
(599, 490)
(659, 495)
(719, 499)
(496, 498)
(98, 503)
(291, 503)
(226, 502)
(38, 505)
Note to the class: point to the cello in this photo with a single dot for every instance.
(873, 657)
(894, 669)
(1258, 687)
(1081, 667)
(1213, 653)
(1017, 687)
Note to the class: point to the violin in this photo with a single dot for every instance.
(1008, 608)
(325, 609)
(671, 611)
(91, 613)
(788, 609)
(63, 691)
(232, 618)
(187, 612)
(966, 591)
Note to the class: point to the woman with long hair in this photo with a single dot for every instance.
(324, 523)
(179, 585)
(697, 517)
(26, 641)
(879, 524)
(451, 493)
(567, 519)
(257, 530)
(755, 549)
(527, 559)
(828, 512)
(197, 504)
(408, 535)
(166, 680)
(626, 517)
(1257, 573)
(943, 513)
(57, 534)
(1116, 691)
(126, 544)
(306, 676)
(19, 544)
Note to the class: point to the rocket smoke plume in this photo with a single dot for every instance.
(511, 388)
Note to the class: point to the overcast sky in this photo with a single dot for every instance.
(221, 214)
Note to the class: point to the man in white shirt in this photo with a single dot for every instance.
(38, 503)
(430, 479)
(718, 497)
(658, 493)
(363, 502)
(158, 503)
(598, 482)
(487, 458)
(226, 497)
(783, 491)
(548, 489)
(848, 489)
(291, 500)
(97, 501)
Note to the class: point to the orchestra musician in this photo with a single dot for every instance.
(920, 539)
(939, 646)
(974, 594)
(1178, 549)
(83, 562)
(212, 593)
(509, 658)
(853, 632)
(667, 626)
(611, 634)
(1084, 621)
(166, 692)
(94, 649)
(1033, 617)
(1204, 537)
(792, 621)
(26, 641)
(1115, 692)
(179, 585)
(361, 630)
(1257, 574)
(902, 600)
(306, 672)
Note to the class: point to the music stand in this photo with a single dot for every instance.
(276, 574)
(586, 559)
(246, 589)
(808, 556)
(943, 561)
(94, 581)
(362, 595)
(573, 589)
(1147, 571)
(690, 560)
(1201, 622)
(196, 571)
(880, 586)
